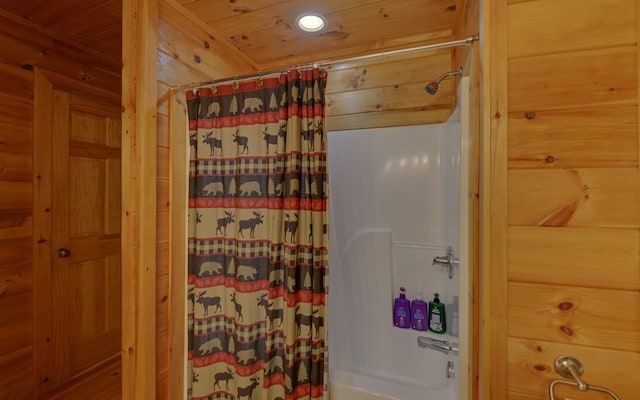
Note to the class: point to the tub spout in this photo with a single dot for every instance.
(439, 345)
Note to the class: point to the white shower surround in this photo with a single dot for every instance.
(395, 204)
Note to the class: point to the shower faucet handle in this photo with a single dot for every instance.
(447, 261)
(441, 260)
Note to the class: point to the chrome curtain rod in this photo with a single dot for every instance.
(327, 63)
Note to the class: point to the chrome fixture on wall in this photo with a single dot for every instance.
(451, 370)
(447, 261)
(440, 345)
(432, 87)
(571, 368)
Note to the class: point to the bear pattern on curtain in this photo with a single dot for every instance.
(258, 239)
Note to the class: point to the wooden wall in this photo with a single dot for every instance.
(186, 53)
(389, 91)
(24, 46)
(16, 269)
(562, 261)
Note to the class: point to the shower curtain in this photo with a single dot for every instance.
(258, 239)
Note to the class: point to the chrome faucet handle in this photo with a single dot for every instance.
(447, 261)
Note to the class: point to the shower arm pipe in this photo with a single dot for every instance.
(468, 41)
(448, 74)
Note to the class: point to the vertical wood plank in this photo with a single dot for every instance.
(59, 236)
(468, 217)
(494, 214)
(139, 96)
(637, 6)
(42, 167)
(475, 212)
(178, 249)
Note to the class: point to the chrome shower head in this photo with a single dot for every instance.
(432, 87)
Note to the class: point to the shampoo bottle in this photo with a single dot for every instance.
(402, 311)
(419, 314)
(437, 319)
(453, 327)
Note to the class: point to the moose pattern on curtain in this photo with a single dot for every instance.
(258, 239)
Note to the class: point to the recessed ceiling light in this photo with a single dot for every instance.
(311, 22)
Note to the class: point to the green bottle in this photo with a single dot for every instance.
(437, 320)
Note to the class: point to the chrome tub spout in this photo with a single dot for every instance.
(442, 346)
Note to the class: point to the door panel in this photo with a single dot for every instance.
(86, 221)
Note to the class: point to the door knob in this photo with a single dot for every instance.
(62, 252)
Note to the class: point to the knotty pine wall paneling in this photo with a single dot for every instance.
(23, 46)
(568, 103)
(389, 91)
(16, 266)
(139, 219)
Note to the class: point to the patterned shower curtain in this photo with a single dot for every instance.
(258, 239)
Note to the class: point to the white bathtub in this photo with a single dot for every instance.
(344, 385)
(397, 201)
(374, 359)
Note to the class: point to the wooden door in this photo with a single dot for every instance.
(86, 276)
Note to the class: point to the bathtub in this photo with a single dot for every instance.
(344, 385)
(377, 360)
(406, 204)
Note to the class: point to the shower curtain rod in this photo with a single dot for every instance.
(327, 63)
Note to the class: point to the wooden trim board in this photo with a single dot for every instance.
(139, 131)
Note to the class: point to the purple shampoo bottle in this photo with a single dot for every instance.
(419, 314)
(402, 311)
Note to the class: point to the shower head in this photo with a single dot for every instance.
(432, 87)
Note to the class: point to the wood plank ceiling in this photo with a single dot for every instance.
(95, 24)
(263, 29)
